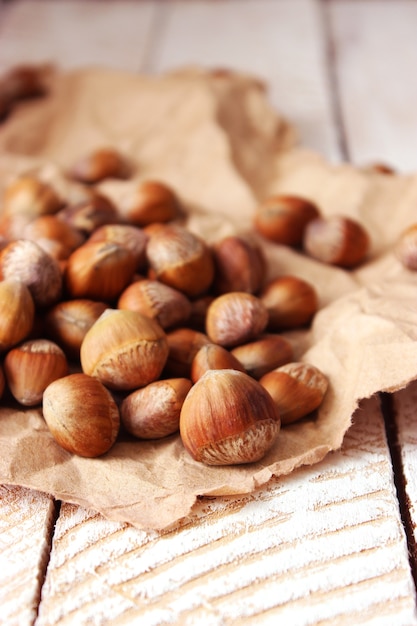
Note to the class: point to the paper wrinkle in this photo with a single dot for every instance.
(214, 137)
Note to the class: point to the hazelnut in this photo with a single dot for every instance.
(90, 213)
(31, 197)
(31, 366)
(239, 265)
(68, 321)
(124, 350)
(153, 412)
(100, 164)
(336, 240)
(406, 247)
(17, 313)
(168, 306)
(81, 415)
(183, 344)
(99, 271)
(23, 81)
(150, 202)
(296, 388)
(213, 357)
(291, 302)
(181, 260)
(53, 235)
(131, 237)
(235, 318)
(228, 418)
(283, 218)
(26, 261)
(264, 354)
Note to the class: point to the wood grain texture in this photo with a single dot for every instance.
(72, 33)
(26, 520)
(375, 47)
(263, 38)
(322, 546)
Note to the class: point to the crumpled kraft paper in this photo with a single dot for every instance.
(214, 136)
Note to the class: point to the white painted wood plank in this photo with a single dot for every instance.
(322, 546)
(26, 519)
(73, 33)
(375, 53)
(280, 42)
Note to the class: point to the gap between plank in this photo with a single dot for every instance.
(331, 71)
(391, 429)
(48, 551)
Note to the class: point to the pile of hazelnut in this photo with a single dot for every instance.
(118, 317)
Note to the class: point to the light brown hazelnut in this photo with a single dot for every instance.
(153, 412)
(24, 81)
(291, 302)
(81, 415)
(296, 388)
(213, 357)
(133, 238)
(151, 202)
(228, 418)
(183, 344)
(31, 366)
(68, 321)
(181, 260)
(26, 261)
(264, 354)
(124, 349)
(168, 306)
(56, 237)
(283, 218)
(31, 197)
(17, 312)
(90, 213)
(235, 318)
(240, 265)
(336, 240)
(100, 164)
(99, 271)
(406, 247)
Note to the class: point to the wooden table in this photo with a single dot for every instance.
(330, 544)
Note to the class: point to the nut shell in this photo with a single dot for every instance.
(213, 357)
(17, 313)
(336, 240)
(31, 366)
(296, 388)
(99, 271)
(124, 349)
(180, 259)
(235, 318)
(81, 415)
(240, 265)
(153, 412)
(263, 355)
(26, 261)
(283, 218)
(228, 418)
(168, 306)
(291, 302)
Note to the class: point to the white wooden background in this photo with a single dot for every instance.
(332, 544)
